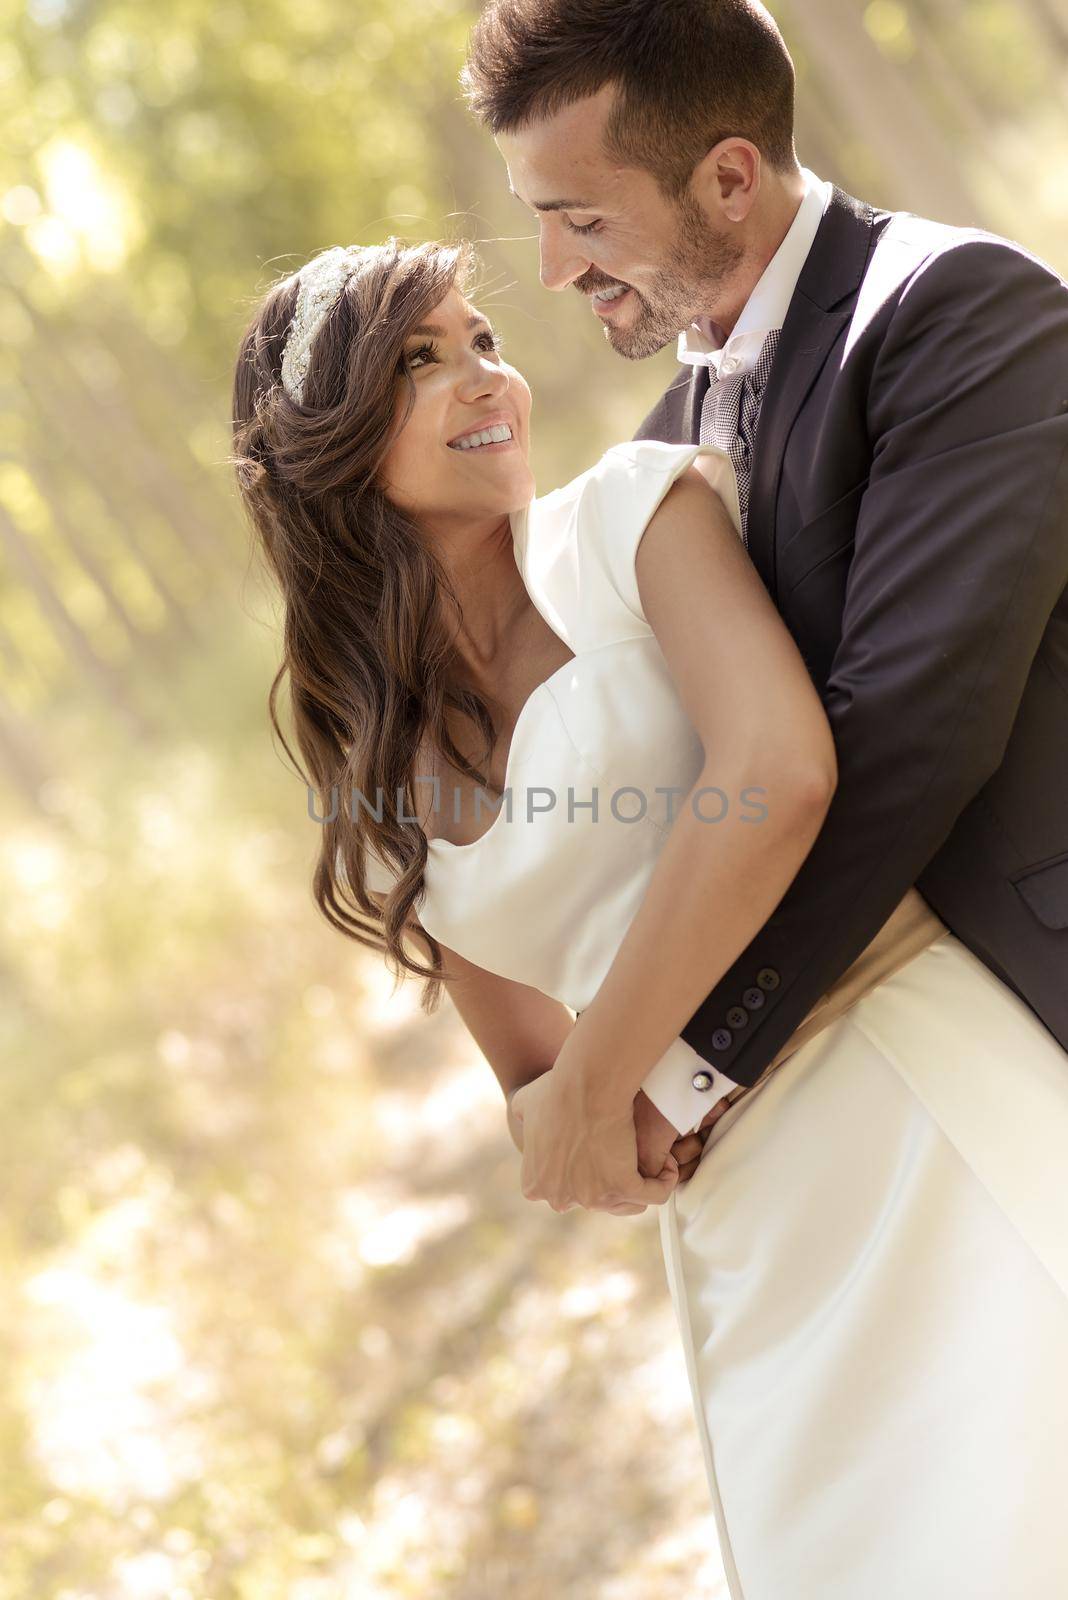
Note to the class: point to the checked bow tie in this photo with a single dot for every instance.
(729, 416)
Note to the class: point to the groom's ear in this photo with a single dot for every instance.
(726, 181)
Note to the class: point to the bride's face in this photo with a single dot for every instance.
(434, 469)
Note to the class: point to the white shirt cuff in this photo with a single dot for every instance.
(670, 1086)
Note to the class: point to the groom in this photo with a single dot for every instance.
(894, 395)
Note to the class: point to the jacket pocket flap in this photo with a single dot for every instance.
(1045, 889)
(810, 545)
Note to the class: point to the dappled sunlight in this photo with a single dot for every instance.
(106, 1377)
(607, 1297)
(92, 210)
(389, 1006)
(33, 861)
(467, 1103)
(384, 1230)
(282, 1306)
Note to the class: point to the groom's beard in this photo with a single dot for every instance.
(689, 282)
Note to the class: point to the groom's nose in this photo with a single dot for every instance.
(560, 265)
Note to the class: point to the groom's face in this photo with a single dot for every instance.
(647, 265)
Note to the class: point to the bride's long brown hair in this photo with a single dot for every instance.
(363, 642)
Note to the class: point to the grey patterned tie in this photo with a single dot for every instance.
(729, 417)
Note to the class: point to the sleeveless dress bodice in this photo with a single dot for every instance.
(546, 895)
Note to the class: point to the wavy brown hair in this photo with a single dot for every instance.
(364, 643)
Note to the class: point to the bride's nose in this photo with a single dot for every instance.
(486, 376)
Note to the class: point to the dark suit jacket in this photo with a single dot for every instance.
(909, 517)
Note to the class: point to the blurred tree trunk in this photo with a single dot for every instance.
(67, 416)
(109, 683)
(139, 639)
(919, 167)
(21, 760)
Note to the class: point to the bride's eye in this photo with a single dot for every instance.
(415, 358)
(489, 340)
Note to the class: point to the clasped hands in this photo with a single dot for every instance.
(585, 1147)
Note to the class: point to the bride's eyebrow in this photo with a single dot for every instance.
(436, 331)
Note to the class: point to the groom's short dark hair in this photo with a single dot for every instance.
(689, 73)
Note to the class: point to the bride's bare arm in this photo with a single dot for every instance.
(746, 690)
(518, 1029)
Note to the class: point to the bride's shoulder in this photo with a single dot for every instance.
(578, 543)
(632, 455)
(619, 468)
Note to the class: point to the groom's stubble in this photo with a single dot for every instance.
(699, 262)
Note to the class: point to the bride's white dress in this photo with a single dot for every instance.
(870, 1265)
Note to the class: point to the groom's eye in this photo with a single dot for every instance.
(583, 227)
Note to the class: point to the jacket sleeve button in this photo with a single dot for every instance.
(737, 1016)
(753, 999)
(721, 1039)
(768, 978)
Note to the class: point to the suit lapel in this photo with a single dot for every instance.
(822, 303)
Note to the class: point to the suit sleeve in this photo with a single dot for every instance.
(960, 556)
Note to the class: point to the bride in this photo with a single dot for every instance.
(574, 755)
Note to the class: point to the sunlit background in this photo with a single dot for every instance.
(277, 1323)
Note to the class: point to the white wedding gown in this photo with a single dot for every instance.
(870, 1265)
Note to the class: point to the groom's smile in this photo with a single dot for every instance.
(604, 294)
(605, 308)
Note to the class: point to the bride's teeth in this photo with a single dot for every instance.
(495, 435)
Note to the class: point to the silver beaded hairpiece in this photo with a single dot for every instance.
(321, 282)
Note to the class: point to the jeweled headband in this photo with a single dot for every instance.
(321, 282)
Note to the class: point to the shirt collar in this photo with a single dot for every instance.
(700, 344)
